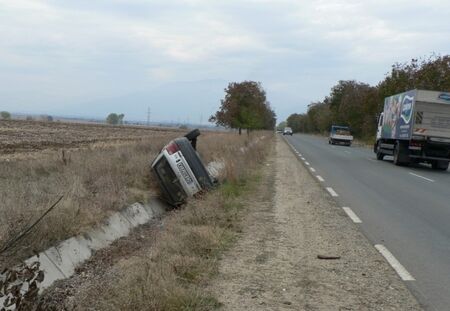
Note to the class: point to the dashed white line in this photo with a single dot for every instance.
(352, 215)
(303, 159)
(307, 163)
(430, 180)
(398, 267)
(300, 154)
(332, 192)
(320, 178)
(312, 169)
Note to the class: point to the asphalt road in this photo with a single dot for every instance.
(406, 209)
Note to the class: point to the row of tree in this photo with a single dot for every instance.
(115, 119)
(245, 106)
(357, 104)
(5, 115)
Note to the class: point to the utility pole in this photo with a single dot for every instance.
(148, 116)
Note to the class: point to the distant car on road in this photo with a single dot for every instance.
(340, 135)
(287, 131)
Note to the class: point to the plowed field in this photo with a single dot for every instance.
(22, 137)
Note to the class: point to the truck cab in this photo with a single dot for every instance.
(340, 135)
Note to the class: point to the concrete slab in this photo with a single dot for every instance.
(115, 227)
(136, 214)
(61, 261)
(156, 206)
(51, 271)
(214, 168)
(69, 254)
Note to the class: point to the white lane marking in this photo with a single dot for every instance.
(303, 159)
(320, 178)
(352, 215)
(370, 159)
(307, 163)
(300, 154)
(430, 180)
(312, 169)
(332, 192)
(398, 267)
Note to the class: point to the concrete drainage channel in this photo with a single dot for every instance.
(26, 281)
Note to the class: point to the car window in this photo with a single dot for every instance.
(169, 179)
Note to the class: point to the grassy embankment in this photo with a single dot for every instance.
(95, 182)
(173, 274)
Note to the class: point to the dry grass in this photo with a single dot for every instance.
(185, 254)
(95, 181)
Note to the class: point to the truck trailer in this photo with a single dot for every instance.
(414, 127)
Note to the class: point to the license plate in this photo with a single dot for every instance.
(184, 172)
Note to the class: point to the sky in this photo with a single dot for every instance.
(88, 58)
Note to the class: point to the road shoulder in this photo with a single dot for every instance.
(275, 265)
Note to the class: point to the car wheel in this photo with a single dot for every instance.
(192, 134)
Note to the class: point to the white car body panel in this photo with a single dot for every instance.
(182, 170)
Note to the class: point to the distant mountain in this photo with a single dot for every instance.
(180, 102)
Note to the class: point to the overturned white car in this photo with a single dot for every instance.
(180, 170)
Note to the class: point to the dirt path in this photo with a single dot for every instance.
(274, 265)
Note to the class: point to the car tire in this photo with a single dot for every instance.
(195, 163)
(192, 134)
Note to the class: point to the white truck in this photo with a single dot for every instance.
(340, 135)
(415, 127)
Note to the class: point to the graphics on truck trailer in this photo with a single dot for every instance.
(398, 110)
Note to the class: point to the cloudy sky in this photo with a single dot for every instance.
(92, 57)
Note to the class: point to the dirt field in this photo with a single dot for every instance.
(24, 137)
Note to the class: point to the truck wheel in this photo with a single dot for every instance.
(380, 155)
(439, 165)
(400, 155)
(397, 155)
